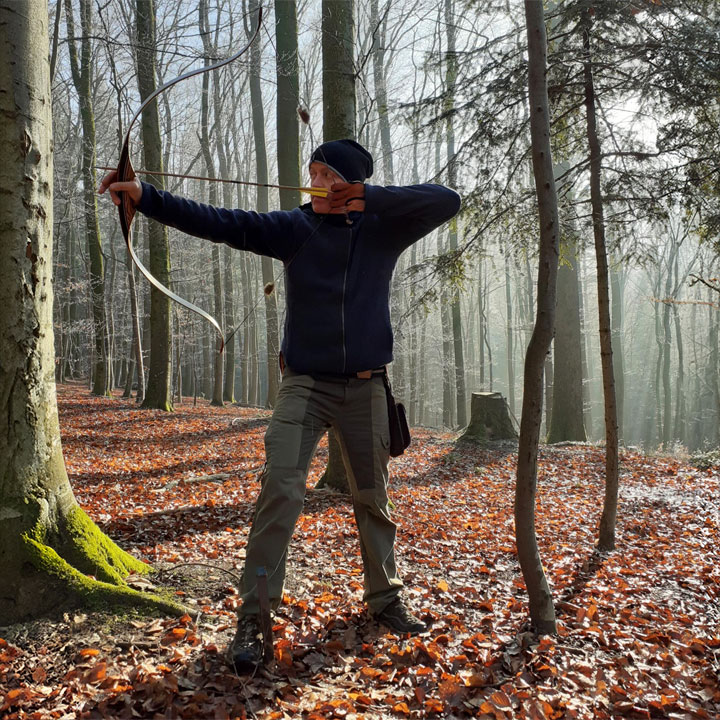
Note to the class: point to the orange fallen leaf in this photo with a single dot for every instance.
(96, 673)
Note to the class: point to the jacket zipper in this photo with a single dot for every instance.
(347, 267)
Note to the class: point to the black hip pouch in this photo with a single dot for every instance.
(399, 430)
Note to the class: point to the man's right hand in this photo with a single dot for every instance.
(132, 187)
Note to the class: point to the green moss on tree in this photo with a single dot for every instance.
(94, 553)
(93, 570)
(92, 593)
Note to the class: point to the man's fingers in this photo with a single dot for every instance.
(131, 187)
(342, 194)
(124, 186)
(118, 187)
(107, 181)
(356, 206)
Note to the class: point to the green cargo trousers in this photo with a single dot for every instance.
(306, 407)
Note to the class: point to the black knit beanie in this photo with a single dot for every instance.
(350, 160)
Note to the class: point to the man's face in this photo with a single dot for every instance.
(322, 176)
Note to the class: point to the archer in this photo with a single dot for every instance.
(339, 253)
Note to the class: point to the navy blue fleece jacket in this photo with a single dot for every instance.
(337, 275)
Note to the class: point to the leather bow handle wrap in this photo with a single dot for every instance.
(125, 172)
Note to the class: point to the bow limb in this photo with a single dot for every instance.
(127, 213)
(196, 71)
(125, 171)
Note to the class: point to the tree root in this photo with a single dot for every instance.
(77, 565)
(82, 590)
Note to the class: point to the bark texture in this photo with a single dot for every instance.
(82, 78)
(210, 171)
(567, 421)
(48, 545)
(288, 100)
(338, 30)
(542, 611)
(606, 533)
(335, 475)
(159, 374)
(339, 103)
(489, 419)
(263, 205)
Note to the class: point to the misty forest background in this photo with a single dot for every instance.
(439, 95)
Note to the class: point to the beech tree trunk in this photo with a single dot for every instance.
(450, 81)
(606, 535)
(157, 392)
(510, 354)
(210, 51)
(263, 205)
(288, 99)
(338, 26)
(48, 546)
(617, 283)
(335, 475)
(82, 78)
(542, 611)
(339, 103)
(566, 422)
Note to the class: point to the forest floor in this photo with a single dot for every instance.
(638, 628)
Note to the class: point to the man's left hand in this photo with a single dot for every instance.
(349, 197)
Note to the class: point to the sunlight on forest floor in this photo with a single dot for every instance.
(638, 628)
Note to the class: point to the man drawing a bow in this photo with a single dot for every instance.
(339, 254)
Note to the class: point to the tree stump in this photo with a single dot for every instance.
(489, 419)
(335, 475)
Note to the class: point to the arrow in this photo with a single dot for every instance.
(315, 191)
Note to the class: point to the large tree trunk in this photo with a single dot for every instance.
(680, 424)
(263, 205)
(159, 377)
(542, 611)
(210, 51)
(137, 338)
(450, 80)
(566, 422)
(288, 100)
(606, 536)
(509, 340)
(245, 358)
(712, 378)
(617, 283)
(227, 285)
(82, 78)
(48, 545)
(667, 427)
(338, 31)
(584, 358)
(378, 27)
(335, 475)
(448, 376)
(229, 323)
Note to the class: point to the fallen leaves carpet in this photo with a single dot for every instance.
(638, 628)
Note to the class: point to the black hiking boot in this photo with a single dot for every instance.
(398, 617)
(245, 652)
